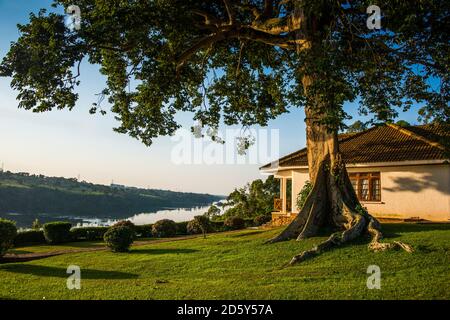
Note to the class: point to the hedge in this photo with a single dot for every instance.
(164, 228)
(144, 231)
(262, 219)
(217, 226)
(234, 223)
(8, 232)
(29, 237)
(249, 222)
(182, 228)
(88, 233)
(57, 232)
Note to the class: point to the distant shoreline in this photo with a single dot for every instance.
(30, 196)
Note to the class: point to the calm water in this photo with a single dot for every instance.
(177, 215)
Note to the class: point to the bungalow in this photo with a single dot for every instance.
(397, 172)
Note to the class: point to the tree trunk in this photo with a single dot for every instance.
(332, 202)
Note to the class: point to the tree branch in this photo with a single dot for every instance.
(279, 32)
(230, 12)
(243, 32)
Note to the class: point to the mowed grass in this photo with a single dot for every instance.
(66, 246)
(238, 265)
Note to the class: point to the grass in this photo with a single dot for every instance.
(62, 247)
(239, 266)
(65, 246)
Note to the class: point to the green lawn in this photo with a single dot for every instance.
(238, 266)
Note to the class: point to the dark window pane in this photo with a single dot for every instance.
(376, 192)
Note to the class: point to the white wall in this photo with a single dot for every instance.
(406, 191)
(299, 177)
(413, 191)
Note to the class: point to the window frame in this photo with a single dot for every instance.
(370, 176)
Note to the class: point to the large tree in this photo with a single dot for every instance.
(245, 62)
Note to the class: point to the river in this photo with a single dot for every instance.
(175, 214)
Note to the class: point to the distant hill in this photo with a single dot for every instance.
(34, 194)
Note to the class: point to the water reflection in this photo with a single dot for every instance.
(24, 221)
(177, 215)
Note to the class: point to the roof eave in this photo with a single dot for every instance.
(365, 165)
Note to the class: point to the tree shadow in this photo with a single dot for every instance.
(15, 251)
(395, 229)
(417, 184)
(162, 251)
(80, 244)
(46, 271)
(251, 233)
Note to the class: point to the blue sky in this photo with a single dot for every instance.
(63, 143)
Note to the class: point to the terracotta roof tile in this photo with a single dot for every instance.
(387, 143)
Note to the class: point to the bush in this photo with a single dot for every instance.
(218, 226)
(182, 228)
(57, 232)
(126, 223)
(88, 233)
(29, 237)
(164, 228)
(234, 223)
(249, 222)
(8, 232)
(193, 227)
(303, 194)
(262, 219)
(143, 231)
(119, 238)
(202, 224)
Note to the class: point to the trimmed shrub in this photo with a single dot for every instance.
(249, 222)
(182, 228)
(57, 232)
(164, 228)
(143, 231)
(88, 233)
(217, 226)
(234, 223)
(29, 237)
(8, 232)
(193, 227)
(119, 239)
(126, 223)
(262, 219)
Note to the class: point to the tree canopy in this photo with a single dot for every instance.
(236, 61)
(254, 199)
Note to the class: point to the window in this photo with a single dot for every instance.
(367, 185)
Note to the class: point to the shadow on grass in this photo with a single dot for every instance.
(19, 251)
(45, 271)
(81, 244)
(251, 233)
(394, 230)
(162, 251)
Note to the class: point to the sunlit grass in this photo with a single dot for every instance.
(239, 266)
